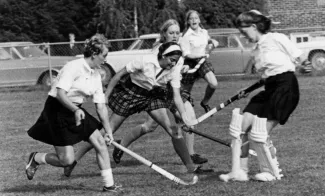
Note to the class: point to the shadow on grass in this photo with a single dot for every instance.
(213, 176)
(44, 188)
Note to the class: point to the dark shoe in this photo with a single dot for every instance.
(114, 189)
(197, 159)
(31, 166)
(68, 169)
(199, 170)
(117, 153)
(206, 107)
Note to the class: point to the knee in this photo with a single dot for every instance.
(100, 145)
(176, 132)
(213, 84)
(66, 160)
(145, 128)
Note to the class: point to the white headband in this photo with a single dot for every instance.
(172, 48)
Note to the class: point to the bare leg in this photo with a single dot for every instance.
(161, 117)
(149, 126)
(212, 85)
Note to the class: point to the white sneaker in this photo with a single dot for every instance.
(264, 177)
(240, 175)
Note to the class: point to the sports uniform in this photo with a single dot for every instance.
(275, 57)
(195, 43)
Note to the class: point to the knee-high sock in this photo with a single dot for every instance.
(235, 154)
(181, 149)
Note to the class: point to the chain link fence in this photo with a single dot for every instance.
(25, 63)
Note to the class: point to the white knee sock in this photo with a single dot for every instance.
(40, 158)
(107, 177)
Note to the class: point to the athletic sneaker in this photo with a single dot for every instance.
(113, 189)
(197, 159)
(240, 175)
(264, 177)
(117, 153)
(200, 170)
(31, 166)
(206, 107)
(68, 169)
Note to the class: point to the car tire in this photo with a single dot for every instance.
(46, 79)
(318, 63)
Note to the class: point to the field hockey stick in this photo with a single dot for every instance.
(238, 96)
(155, 167)
(200, 62)
(220, 141)
(197, 66)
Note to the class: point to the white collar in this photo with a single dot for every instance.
(191, 31)
(87, 67)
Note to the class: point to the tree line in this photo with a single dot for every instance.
(53, 20)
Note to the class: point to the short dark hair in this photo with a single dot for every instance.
(94, 45)
(246, 19)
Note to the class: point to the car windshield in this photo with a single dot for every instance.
(4, 55)
(30, 51)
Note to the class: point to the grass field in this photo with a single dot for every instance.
(300, 145)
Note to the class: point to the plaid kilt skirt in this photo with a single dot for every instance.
(57, 126)
(190, 78)
(278, 100)
(128, 98)
(185, 95)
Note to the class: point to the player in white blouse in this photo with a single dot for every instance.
(169, 32)
(274, 57)
(64, 122)
(194, 44)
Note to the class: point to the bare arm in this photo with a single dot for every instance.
(114, 81)
(102, 112)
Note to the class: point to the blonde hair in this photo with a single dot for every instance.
(187, 16)
(164, 28)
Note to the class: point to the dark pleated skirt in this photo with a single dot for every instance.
(278, 100)
(56, 125)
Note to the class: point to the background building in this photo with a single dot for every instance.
(298, 15)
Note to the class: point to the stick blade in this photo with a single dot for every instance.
(183, 182)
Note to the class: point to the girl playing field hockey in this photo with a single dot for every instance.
(144, 91)
(63, 122)
(194, 43)
(169, 32)
(274, 58)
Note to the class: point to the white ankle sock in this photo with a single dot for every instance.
(107, 177)
(40, 158)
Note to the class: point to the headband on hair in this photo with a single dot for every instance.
(175, 49)
(269, 16)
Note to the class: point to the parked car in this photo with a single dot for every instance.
(230, 57)
(313, 56)
(25, 63)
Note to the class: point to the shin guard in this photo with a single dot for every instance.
(267, 160)
(266, 157)
(235, 123)
(235, 130)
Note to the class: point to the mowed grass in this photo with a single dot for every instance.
(300, 145)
